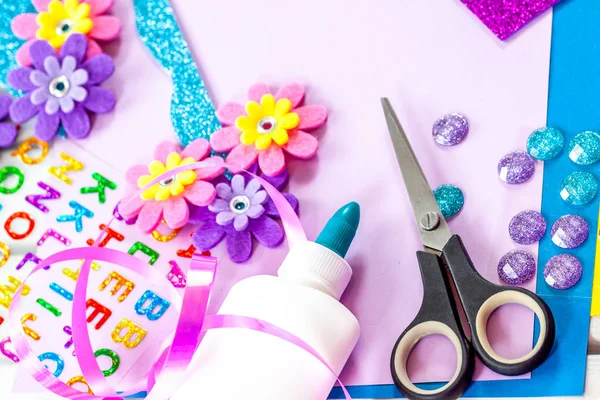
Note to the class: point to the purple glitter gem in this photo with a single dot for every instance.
(562, 271)
(516, 267)
(450, 130)
(516, 167)
(569, 231)
(527, 227)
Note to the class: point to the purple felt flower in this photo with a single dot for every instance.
(239, 212)
(61, 89)
(8, 131)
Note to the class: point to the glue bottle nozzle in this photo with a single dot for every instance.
(340, 229)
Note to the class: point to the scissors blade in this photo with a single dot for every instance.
(432, 226)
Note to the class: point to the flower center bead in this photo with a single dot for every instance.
(266, 125)
(168, 181)
(64, 27)
(59, 86)
(239, 204)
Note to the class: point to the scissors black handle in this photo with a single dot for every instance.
(438, 315)
(480, 298)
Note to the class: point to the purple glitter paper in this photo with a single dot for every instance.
(516, 167)
(516, 267)
(505, 17)
(527, 227)
(450, 130)
(569, 231)
(562, 271)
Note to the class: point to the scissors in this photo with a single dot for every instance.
(479, 298)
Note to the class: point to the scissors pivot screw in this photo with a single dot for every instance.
(430, 221)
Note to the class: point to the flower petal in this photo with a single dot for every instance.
(79, 77)
(164, 148)
(229, 112)
(23, 110)
(38, 51)
(156, 168)
(52, 66)
(208, 235)
(150, 216)
(200, 214)
(282, 107)
(239, 245)
(106, 27)
(99, 68)
(23, 56)
(76, 45)
(66, 104)
(272, 211)
(252, 187)
(39, 78)
(293, 92)
(255, 211)
(99, 100)
(289, 121)
(46, 126)
(79, 93)
(280, 136)
(279, 181)
(24, 26)
(301, 144)
(267, 231)
(210, 173)
(240, 222)
(311, 117)
(99, 6)
(257, 91)
(93, 49)
(197, 149)
(263, 142)
(52, 104)
(225, 139)
(41, 5)
(130, 207)
(8, 134)
(241, 157)
(77, 122)
(200, 193)
(68, 66)
(5, 102)
(173, 160)
(259, 197)
(271, 160)
(19, 78)
(237, 184)
(134, 173)
(225, 217)
(224, 191)
(176, 212)
(219, 205)
(245, 123)
(267, 103)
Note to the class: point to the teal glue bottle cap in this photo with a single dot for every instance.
(320, 264)
(339, 232)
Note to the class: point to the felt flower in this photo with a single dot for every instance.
(170, 198)
(240, 212)
(57, 20)
(8, 131)
(267, 126)
(61, 89)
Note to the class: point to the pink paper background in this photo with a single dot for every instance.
(429, 60)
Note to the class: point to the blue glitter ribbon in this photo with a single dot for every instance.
(192, 112)
(9, 43)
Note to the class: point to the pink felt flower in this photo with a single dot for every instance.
(56, 20)
(267, 126)
(171, 197)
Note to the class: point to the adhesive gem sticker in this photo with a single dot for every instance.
(584, 148)
(545, 143)
(562, 271)
(516, 267)
(450, 130)
(569, 231)
(527, 227)
(450, 199)
(579, 188)
(516, 167)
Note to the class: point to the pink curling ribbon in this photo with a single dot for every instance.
(168, 372)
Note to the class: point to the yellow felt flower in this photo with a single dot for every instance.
(267, 122)
(63, 19)
(172, 186)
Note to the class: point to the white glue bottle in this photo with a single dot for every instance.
(240, 364)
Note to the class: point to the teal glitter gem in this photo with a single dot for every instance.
(545, 143)
(450, 199)
(579, 188)
(584, 148)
